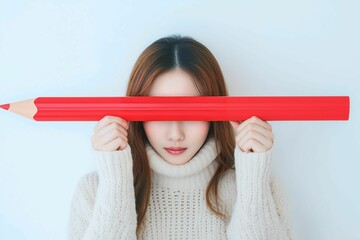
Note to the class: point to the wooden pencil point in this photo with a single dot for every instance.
(24, 108)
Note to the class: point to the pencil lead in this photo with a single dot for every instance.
(5, 106)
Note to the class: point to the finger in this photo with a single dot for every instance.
(110, 136)
(255, 127)
(116, 144)
(122, 145)
(102, 123)
(235, 125)
(110, 119)
(259, 121)
(266, 142)
(243, 125)
(255, 136)
(252, 145)
(114, 126)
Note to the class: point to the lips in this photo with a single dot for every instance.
(175, 150)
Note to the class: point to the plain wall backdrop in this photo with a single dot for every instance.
(88, 48)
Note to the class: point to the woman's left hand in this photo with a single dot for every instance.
(253, 135)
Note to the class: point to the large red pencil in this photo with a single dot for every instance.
(184, 108)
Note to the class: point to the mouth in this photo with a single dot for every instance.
(175, 151)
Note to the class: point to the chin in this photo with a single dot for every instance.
(177, 163)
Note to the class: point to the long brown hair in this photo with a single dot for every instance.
(195, 59)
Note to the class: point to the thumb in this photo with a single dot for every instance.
(234, 125)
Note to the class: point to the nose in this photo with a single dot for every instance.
(176, 131)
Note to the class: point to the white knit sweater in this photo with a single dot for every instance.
(103, 205)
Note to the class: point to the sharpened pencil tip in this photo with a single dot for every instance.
(5, 106)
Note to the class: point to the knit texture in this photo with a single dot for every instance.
(103, 205)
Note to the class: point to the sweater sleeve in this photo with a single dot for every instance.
(106, 211)
(254, 215)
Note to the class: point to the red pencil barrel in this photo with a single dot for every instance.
(198, 108)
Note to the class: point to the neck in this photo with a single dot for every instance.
(194, 174)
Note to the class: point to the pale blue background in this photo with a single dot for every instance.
(88, 48)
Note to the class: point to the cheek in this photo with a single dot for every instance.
(151, 128)
(199, 128)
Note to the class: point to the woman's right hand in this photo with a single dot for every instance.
(110, 134)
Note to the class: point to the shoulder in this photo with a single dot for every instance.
(88, 180)
(84, 196)
(86, 188)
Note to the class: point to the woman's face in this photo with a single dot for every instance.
(187, 135)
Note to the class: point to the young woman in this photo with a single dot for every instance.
(174, 179)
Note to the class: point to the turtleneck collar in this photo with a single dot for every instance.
(194, 174)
